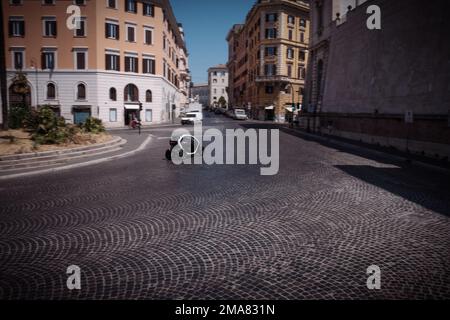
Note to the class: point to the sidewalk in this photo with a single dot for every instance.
(408, 158)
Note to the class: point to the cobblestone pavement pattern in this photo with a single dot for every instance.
(142, 228)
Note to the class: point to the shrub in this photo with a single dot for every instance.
(17, 114)
(46, 128)
(93, 125)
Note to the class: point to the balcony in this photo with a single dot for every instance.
(277, 78)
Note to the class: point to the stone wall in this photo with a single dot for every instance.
(374, 76)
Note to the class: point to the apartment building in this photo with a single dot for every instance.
(375, 85)
(200, 92)
(120, 59)
(268, 56)
(218, 84)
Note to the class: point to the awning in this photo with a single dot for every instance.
(270, 108)
(81, 107)
(132, 106)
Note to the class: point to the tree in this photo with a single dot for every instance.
(3, 72)
(222, 102)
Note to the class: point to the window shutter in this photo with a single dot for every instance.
(22, 28)
(107, 63)
(118, 32)
(118, 63)
(10, 23)
(43, 64)
(56, 28)
(106, 31)
(153, 71)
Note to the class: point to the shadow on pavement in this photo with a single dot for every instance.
(425, 187)
(395, 180)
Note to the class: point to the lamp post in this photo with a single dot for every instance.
(35, 68)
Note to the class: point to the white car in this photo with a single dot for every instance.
(192, 117)
(239, 114)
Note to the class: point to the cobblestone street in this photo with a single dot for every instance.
(143, 228)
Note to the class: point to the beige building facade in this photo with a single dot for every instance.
(268, 56)
(118, 57)
(218, 84)
(200, 93)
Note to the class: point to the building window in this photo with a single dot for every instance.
(271, 17)
(113, 115)
(18, 60)
(302, 55)
(50, 27)
(112, 4)
(291, 19)
(81, 30)
(112, 31)
(113, 94)
(148, 66)
(112, 62)
(131, 33)
(148, 115)
(270, 69)
(48, 60)
(131, 6)
(79, 2)
(148, 36)
(51, 91)
(270, 51)
(16, 27)
(290, 34)
(271, 33)
(289, 70)
(148, 9)
(269, 89)
(131, 64)
(80, 60)
(301, 72)
(81, 91)
(148, 96)
(48, 2)
(15, 2)
(131, 93)
(302, 23)
(290, 53)
(302, 37)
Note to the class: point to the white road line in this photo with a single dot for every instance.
(82, 164)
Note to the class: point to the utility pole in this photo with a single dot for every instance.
(3, 86)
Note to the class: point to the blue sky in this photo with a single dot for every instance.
(206, 24)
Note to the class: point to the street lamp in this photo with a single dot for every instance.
(35, 68)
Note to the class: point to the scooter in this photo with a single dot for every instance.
(186, 146)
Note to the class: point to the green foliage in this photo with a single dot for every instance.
(17, 114)
(93, 125)
(46, 128)
(222, 102)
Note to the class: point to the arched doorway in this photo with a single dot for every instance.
(20, 94)
(131, 99)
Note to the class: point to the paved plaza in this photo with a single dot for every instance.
(143, 228)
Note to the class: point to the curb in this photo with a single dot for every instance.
(375, 152)
(82, 164)
(32, 155)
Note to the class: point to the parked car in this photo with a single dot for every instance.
(229, 113)
(239, 114)
(191, 118)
